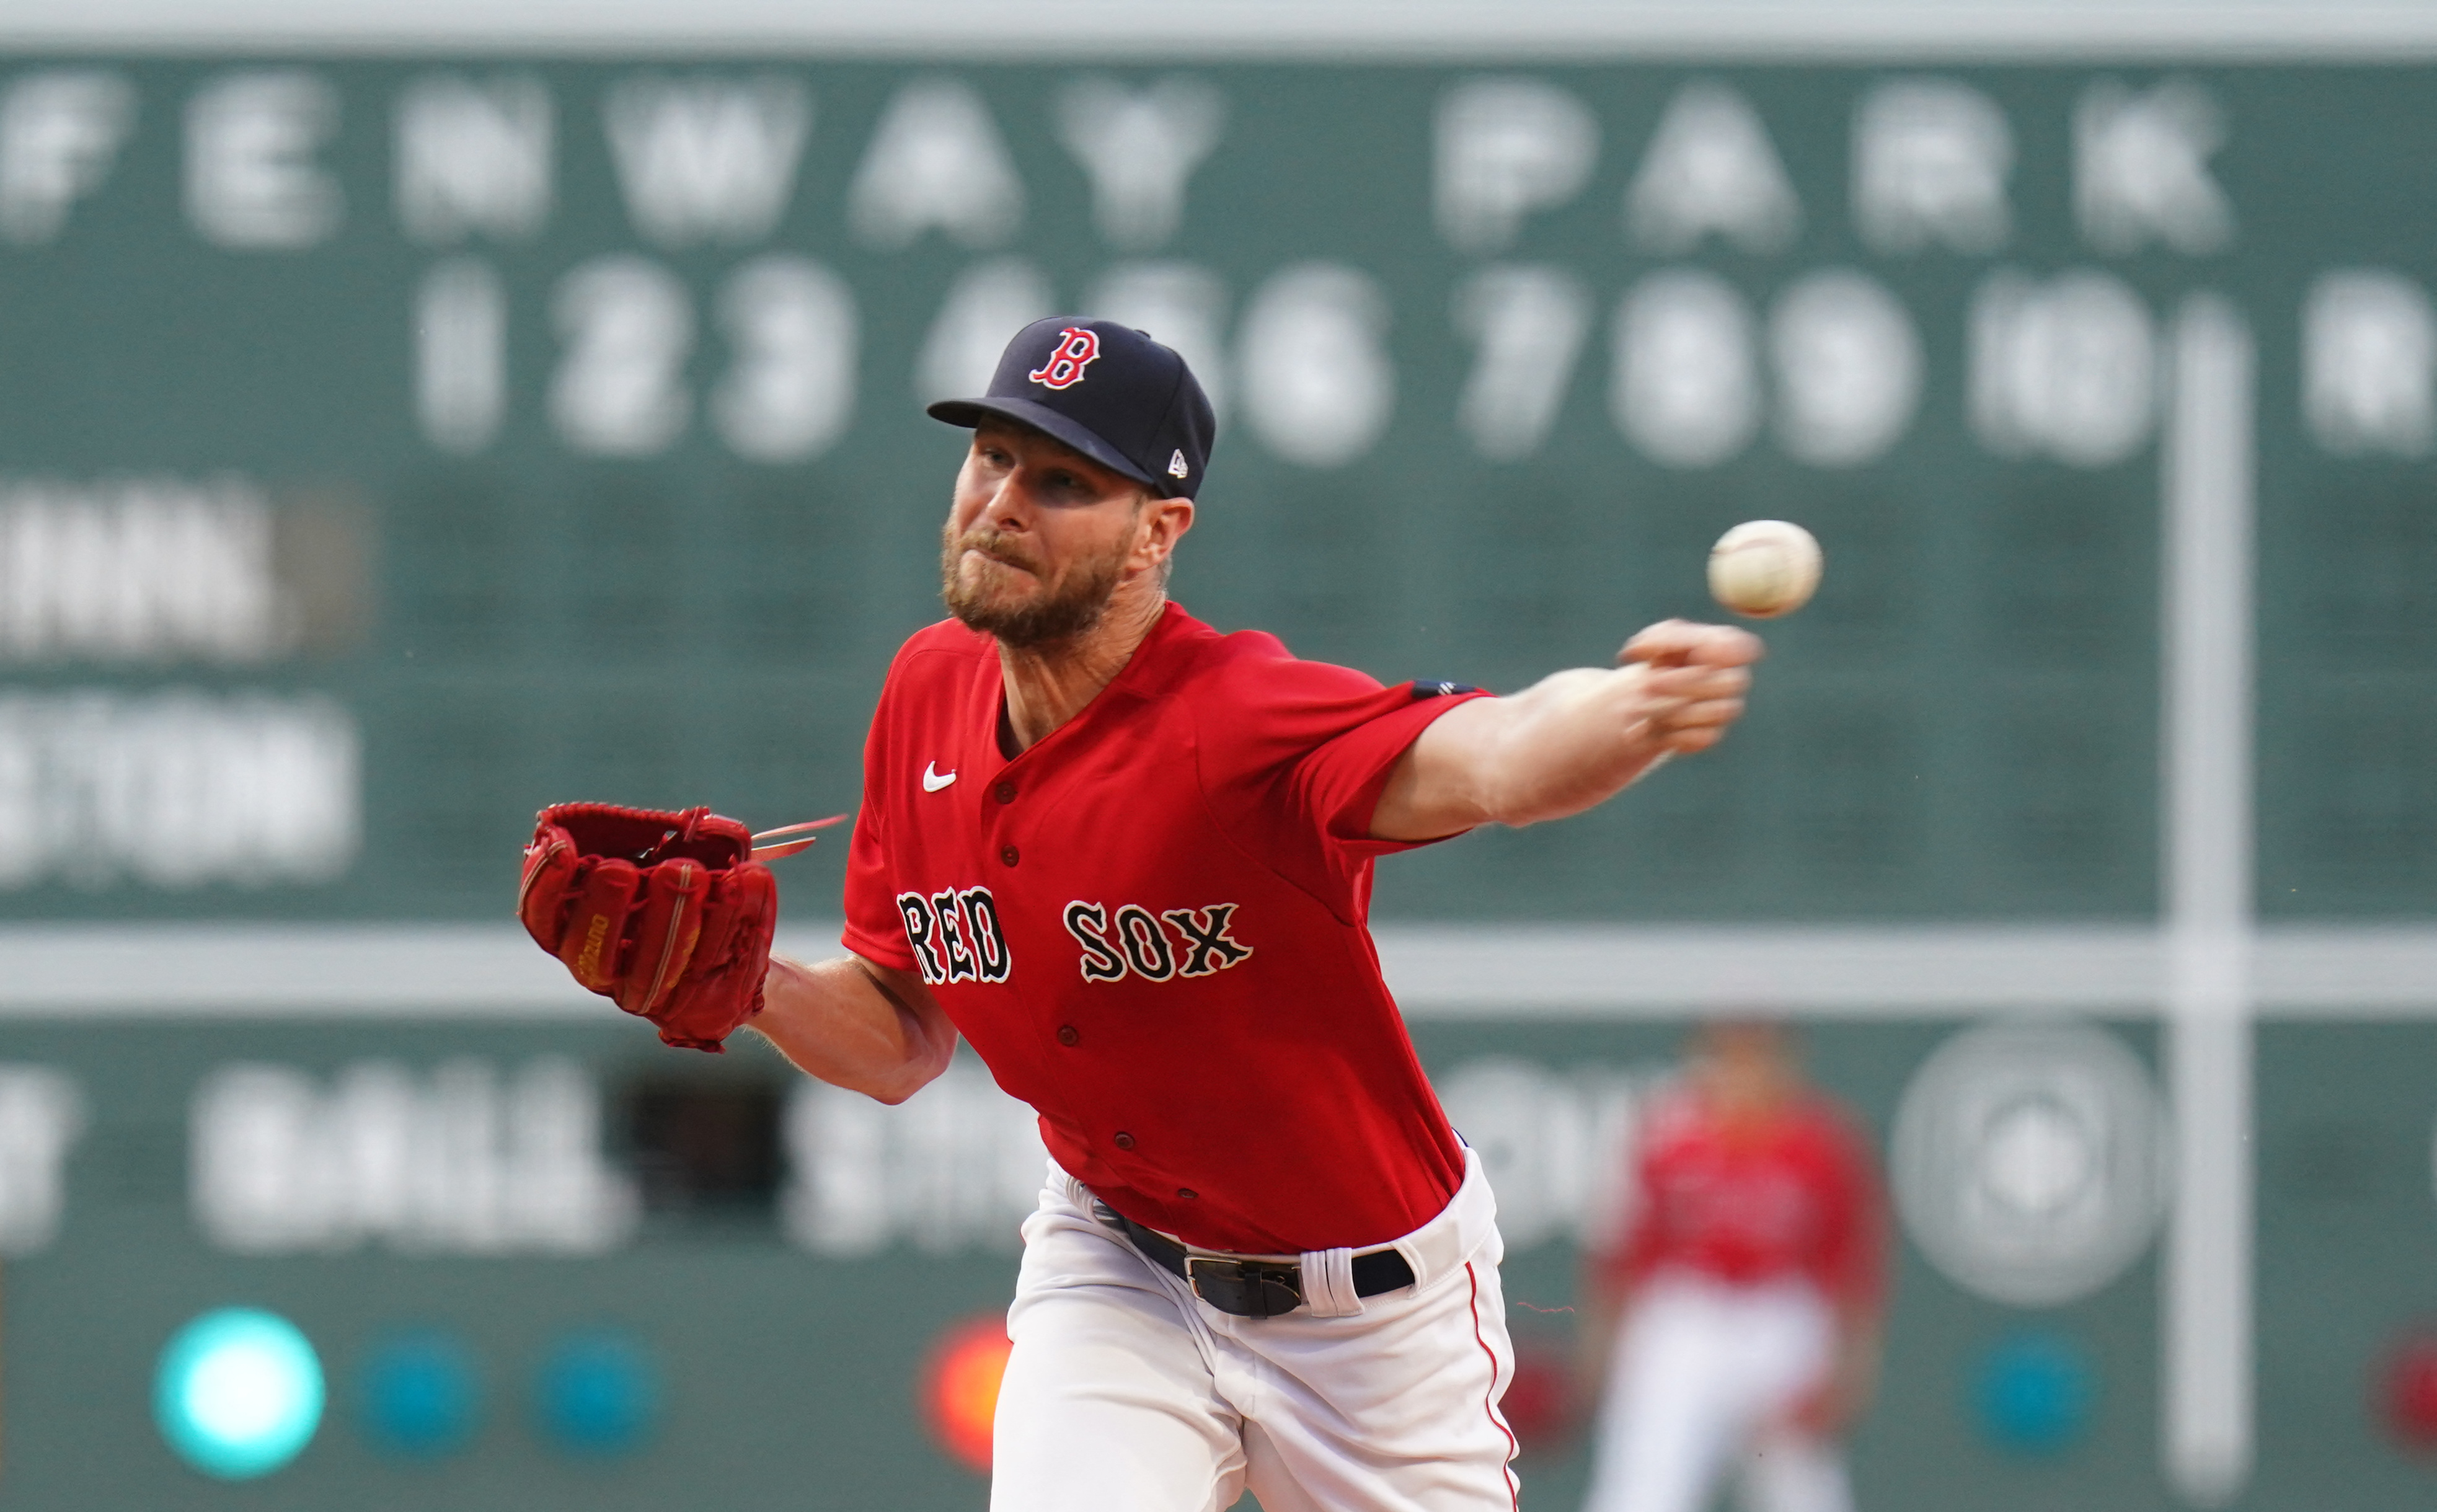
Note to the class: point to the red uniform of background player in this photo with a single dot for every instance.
(1749, 1284)
(1792, 1197)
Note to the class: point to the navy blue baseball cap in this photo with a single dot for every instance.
(1107, 389)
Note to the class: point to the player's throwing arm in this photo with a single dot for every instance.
(1577, 738)
(1573, 739)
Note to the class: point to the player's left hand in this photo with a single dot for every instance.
(1821, 1411)
(1837, 1401)
(1695, 680)
(667, 913)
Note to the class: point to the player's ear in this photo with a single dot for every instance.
(1163, 523)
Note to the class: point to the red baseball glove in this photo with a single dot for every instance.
(668, 914)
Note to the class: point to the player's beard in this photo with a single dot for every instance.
(1063, 607)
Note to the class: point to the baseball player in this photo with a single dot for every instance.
(1128, 859)
(1749, 1289)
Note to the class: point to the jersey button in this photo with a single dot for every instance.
(1007, 854)
(1124, 1140)
(1069, 1035)
(1187, 1193)
(1004, 792)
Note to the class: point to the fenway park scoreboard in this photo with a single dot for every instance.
(391, 446)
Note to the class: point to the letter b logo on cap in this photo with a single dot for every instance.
(1078, 348)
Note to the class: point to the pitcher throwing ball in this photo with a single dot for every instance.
(1128, 858)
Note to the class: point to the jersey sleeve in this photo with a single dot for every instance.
(874, 929)
(1618, 1263)
(1293, 757)
(1852, 1261)
(1339, 783)
(1642, 1242)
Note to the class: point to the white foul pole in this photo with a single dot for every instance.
(2207, 817)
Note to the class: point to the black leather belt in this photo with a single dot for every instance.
(1251, 1289)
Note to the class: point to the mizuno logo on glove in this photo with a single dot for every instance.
(668, 913)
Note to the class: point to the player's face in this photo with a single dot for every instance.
(1748, 1068)
(1038, 538)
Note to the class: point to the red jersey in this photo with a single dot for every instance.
(1152, 926)
(1795, 1196)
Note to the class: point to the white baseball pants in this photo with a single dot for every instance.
(1702, 1376)
(1127, 1392)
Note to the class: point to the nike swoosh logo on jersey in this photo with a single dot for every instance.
(933, 780)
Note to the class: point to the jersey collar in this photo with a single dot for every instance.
(1138, 680)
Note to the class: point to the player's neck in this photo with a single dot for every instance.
(1047, 685)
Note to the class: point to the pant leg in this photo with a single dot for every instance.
(1788, 1341)
(1392, 1409)
(1109, 1403)
(1670, 1417)
(1789, 1472)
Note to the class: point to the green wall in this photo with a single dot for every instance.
(1962, 727)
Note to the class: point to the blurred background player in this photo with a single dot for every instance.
(1737, 1322)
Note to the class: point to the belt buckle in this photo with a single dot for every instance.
(1246, 1289)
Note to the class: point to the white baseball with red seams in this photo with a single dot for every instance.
(1764, 568)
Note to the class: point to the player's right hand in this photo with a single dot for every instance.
(1694, 681)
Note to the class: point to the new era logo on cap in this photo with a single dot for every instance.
(1107, 389)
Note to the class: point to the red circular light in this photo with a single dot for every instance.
(960, 1388)
(2409, 1391)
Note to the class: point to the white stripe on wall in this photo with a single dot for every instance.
(1167, 30)
(1440, 974)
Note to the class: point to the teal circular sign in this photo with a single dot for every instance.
(2035, 1393)
(239, 1393)
(597, 1394)
(421, 1394)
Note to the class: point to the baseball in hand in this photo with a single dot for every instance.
(1764, 568)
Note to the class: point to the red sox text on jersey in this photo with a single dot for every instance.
(956, 937)
(1152, 926)
(1131, 940)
